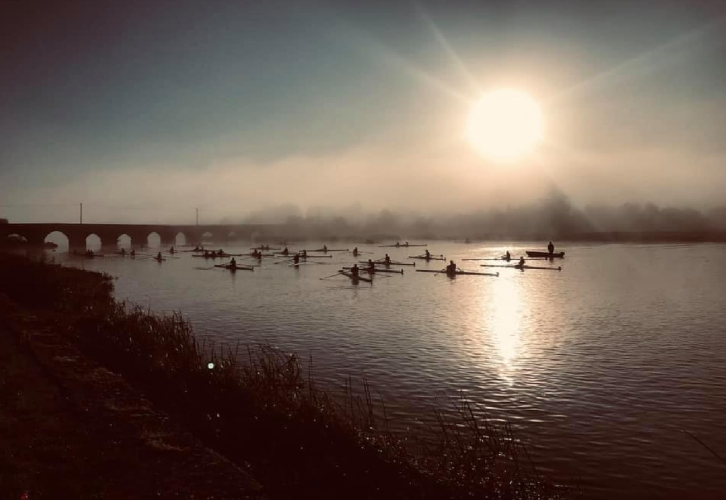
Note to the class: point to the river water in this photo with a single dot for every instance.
(600, 368)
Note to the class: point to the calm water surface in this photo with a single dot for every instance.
(600, 367)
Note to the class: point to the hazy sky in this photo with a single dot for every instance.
(145, 110)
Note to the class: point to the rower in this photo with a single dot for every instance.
(371, 265)
(388, 259)
(354, 270)
(507, 256)
(451, 268)
(551, 248)
(406, 244)
(428, 254)
(398, 244)
(233, 262)
(158, 256)
(286, 251)
(171, 250)
(296, 259)
(521, 262)
(325, 248)
(304, 254)
(133, 253)
(89, 253)
(123, 251)
(220, 252)
(355, 252)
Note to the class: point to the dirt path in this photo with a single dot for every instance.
(71, 429)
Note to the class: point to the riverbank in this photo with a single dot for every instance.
(259, 408)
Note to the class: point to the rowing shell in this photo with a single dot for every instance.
(392, 263)
(329, 250)
(423, 257)
(401, 246)
(350, 275)
(444, 271)
(376, 270)
(235, 268)
(517, 266)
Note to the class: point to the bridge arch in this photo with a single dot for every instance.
(180, 239)
(15, 239)
(60, 239)
(208, 237)
(93, 242)
(124, 241)
(153, 239)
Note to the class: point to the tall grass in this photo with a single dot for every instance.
(260, 407)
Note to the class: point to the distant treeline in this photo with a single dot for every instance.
(552, 218)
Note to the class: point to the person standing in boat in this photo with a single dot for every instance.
(451, 268)
(551, 248)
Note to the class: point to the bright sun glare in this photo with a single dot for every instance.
(505, 125)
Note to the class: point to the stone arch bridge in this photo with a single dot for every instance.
(35, 233)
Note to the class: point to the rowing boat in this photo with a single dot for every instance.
(517, 266)
(423, 257)
(354, 278)
(558, 255)
(383, 263)
(377, 270)
(328, 250)
(407, 245)
(497, 258)
(444, 271)
(316, 256)
(230, 267)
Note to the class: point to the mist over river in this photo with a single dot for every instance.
(600, 367)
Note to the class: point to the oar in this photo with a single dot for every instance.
(284, 261)
(331, 276)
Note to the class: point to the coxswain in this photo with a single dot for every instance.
(521, 262)
(387, 259)
(296, 259)
(354, 270)
(507, 256)
(451, 268)
(551, 248)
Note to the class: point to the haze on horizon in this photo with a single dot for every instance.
(146, 110)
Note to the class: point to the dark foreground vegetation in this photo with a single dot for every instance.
(260, 408)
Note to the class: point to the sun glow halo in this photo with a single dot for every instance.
(505, 125)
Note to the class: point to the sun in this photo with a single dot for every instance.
(505, 125)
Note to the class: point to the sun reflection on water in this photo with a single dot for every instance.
(505, 324)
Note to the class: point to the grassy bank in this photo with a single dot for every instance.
(260, 408)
